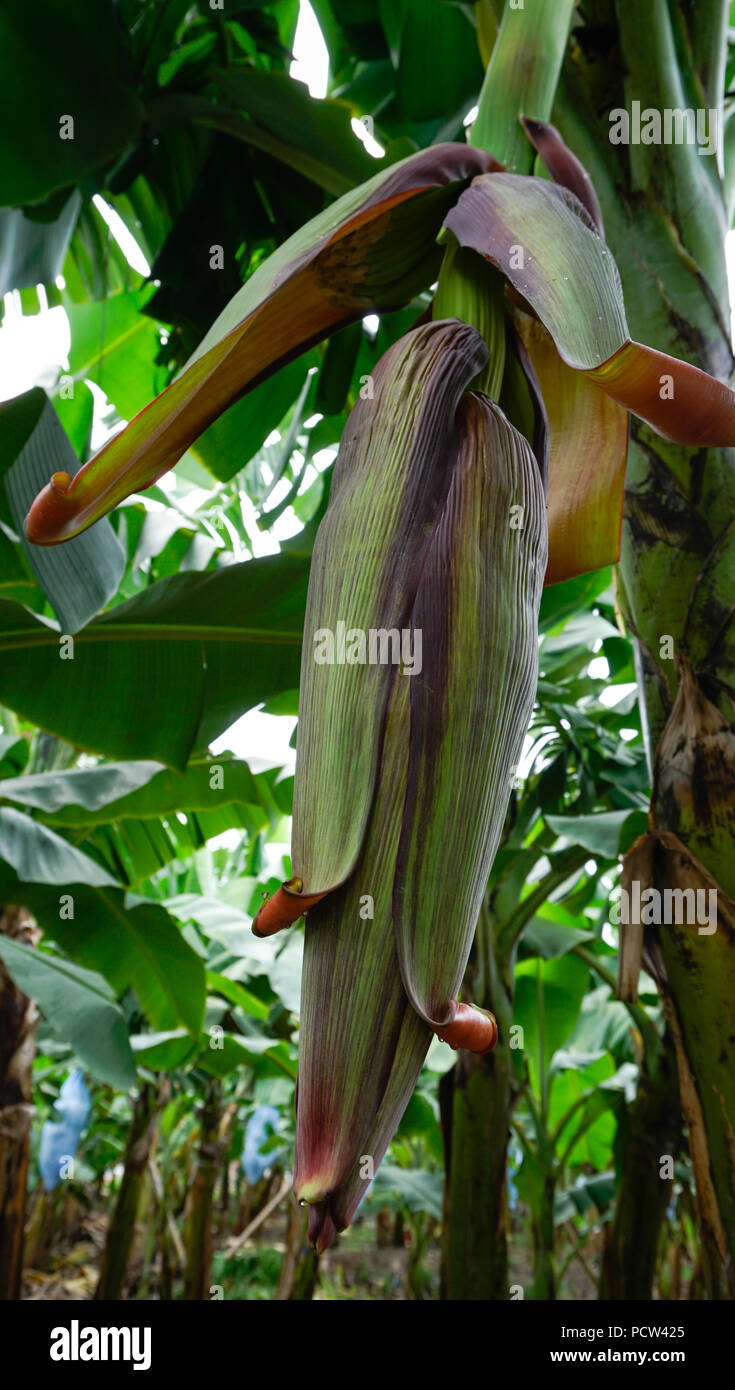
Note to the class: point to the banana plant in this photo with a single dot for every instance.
(485, 457)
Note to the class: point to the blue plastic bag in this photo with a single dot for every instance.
(263, 1123)
(60, 1137)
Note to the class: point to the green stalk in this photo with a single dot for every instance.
(521, 78)
(472, 290)
(475, 1102)
(541, 1178)
(542, 1078)
(708, 25)
(198, 1226)
(299, 1274)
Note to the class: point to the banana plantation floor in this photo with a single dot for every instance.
(375, 1260)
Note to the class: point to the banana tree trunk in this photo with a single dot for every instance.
(17, 1039)
(665, 218)
(198, 1232)
(122, 1227)
(650, 1132)
(543, 1239)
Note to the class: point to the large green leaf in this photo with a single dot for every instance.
(401, 1189)
(599, 833)
(32, 252)
(76, 414)
(588, 1135)
(164, 1051)
(80, 1008)
(548, 995)
(38, 856)
(236, 993)
(439, 68)
(14, 751)
(59, 60)
(79, 580)
(16, 580)
(550, 939)
(604, 1025)
(313, 137)
(266, 1056)
(115, 344)
(118, 791)
(132, 942)
(137, 817)
(201, 647)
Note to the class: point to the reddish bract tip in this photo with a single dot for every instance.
(564, 166)
(283, 909)
(322, 1230)
(42, 525)
(472, 1029)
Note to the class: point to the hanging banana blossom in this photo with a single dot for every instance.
(405, 750)
(419, 656)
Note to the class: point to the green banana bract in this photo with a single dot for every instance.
(390, 482)
(403, 779)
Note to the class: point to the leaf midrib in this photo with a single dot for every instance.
(12, 641)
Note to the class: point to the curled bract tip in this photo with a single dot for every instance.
(284, 908)
(564, 166)
(47, 519)
(322, 1230)
(472, 1029)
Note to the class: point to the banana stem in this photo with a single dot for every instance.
(521, 78)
